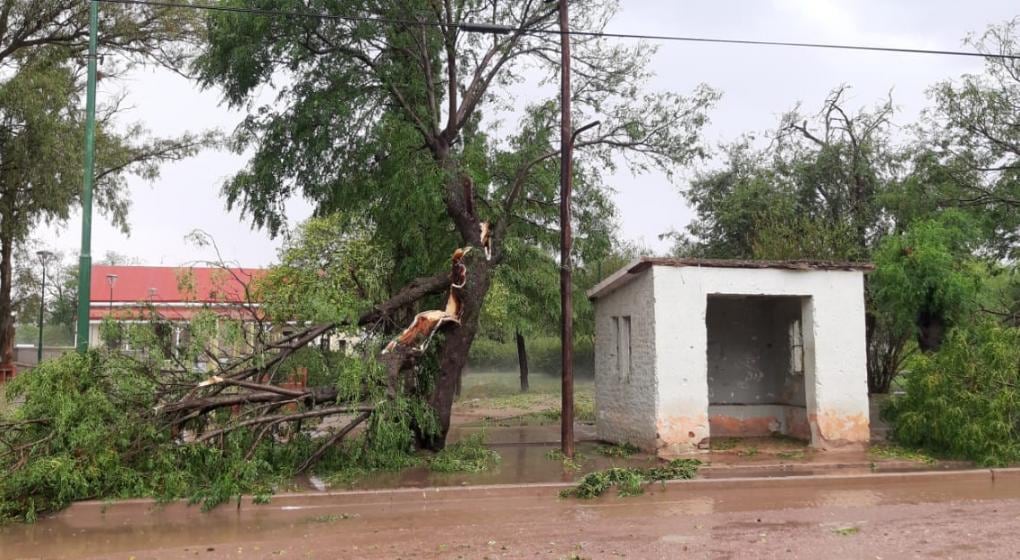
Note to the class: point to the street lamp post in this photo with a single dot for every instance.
(111, 279)
(88, 172)
(44, 257)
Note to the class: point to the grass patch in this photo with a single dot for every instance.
(847, 531)
(796, 454)
(491, 384)
(584, 407)
(467, 455)
(749, 451)
(723, 444)
(619, 451)
(540, 418)
(523, 401)
(630, 482)
(896, 452)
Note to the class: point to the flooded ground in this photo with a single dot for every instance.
(512, 510)
(956, 514)
(524, 429)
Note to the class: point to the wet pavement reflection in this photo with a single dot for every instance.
(96, 529)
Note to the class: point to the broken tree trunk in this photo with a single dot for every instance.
(453, 354)
(522, 361)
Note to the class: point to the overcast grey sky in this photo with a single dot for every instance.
(758, 84)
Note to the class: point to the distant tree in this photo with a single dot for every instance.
(41, 123)
(524, 301)
(113, 258)
(974, 134)
(819, 183)
(61, 290)
(326, 272)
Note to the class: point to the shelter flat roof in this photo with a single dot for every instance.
(637, 266)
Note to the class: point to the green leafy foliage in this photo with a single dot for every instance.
(85, 429)
(89, 426)
(621, 451)
(466, 455)
(814, 192)
(963, 400)
(631, 482)
(329, 271)
(927, 270)
(41, 127)
(972, 134)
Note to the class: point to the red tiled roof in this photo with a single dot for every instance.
(165, 284)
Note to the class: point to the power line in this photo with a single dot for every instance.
(502, 29)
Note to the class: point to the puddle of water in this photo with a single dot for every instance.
(519, 464)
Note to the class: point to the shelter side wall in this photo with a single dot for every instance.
(681, 415)
(835, 372)
(625, 365)
(839, 375)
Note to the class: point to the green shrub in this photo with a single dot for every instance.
(964, 400)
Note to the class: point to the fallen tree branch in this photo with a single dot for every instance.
(279, 418)
(206, 404)
(331, 441)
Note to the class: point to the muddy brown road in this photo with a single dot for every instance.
(973, 514)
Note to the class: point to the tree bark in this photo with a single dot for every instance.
(522, 361)
(931, 330)
(6, 307)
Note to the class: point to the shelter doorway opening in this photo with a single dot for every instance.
(759, 366)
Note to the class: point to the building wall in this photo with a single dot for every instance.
(834, 349)
(625, 373)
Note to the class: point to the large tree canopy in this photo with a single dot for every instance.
(974, 133)
(42, 125)
(379, 113)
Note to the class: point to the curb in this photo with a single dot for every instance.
(427, 495)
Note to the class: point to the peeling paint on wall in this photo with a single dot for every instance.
(832, 429)
(678, 434)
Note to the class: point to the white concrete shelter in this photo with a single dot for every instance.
(690, 349)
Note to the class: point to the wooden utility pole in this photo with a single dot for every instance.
(566, 240)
